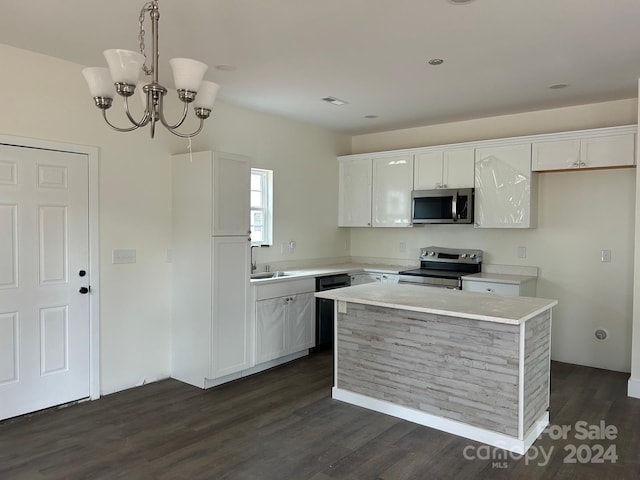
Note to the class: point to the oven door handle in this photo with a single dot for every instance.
(454, 207)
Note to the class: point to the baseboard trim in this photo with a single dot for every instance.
(633, 388)
(488, 437)
(261, 367)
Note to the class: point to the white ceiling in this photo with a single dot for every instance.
(500, 55)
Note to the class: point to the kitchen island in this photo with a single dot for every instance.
(471, 364)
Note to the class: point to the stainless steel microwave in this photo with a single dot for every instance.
(442, 206)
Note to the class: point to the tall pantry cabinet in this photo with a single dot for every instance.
(211, 329)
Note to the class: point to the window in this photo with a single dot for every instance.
(261, 206)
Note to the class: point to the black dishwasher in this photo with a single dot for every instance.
(324, 308)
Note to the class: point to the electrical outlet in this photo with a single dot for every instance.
(522, 252)
(292, 246)
(403, 247)
(605, 256)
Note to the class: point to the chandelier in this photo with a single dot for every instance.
(124, 70)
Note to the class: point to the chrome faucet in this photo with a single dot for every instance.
(253, 262)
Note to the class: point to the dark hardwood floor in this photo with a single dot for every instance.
(283, 424)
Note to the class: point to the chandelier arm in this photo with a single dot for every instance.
(143, 121)
(188, 135)
(164, 121)
(130, 129)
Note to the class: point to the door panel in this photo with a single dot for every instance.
(52, 236)
(301, 322)
(44, 320)
(8, 348)
(53, 339)
(8, 246)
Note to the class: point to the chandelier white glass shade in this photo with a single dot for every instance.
(124, 71)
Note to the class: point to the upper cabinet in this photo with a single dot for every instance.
(231, 182)
(505, 188)
(444, 169)
(355, 192)
(375, 191)
(593, 151)
(391, 193)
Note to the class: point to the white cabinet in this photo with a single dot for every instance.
(231, 347)
(212, 332)
(375, 191)
(580, 153)
(444, 169)
(361, 278)
(231, 200)
(391, 193)
(355, 192)
(285, 318)
(521, 289)
(506, 190)
(389, 278)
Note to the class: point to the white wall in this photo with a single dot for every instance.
(634, 381)
(49, 100)
(580, 213)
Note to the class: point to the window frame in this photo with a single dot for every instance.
(266, 191)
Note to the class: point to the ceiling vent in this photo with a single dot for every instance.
(334, 101)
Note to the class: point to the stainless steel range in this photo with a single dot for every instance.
(443, 267)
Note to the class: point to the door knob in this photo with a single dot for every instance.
(82, 273)
(84, 290)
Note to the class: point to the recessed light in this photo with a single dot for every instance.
(334, 101)
(226, 67)
(459, 2)
(371, 116)
(436, 61)
(558, 86)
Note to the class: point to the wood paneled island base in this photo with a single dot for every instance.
(484, 378)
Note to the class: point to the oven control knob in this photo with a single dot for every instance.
(423, 253)
(473, 255)
(431, 254)
(464, 255)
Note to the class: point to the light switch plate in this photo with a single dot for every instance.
(123, 256)
(606, 256)
(342, 306)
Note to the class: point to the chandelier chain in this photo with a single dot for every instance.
(146, 8)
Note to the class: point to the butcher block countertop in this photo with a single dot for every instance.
(441, 301)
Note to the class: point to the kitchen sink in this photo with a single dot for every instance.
(262, 275)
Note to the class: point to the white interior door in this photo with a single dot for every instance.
(44, 318)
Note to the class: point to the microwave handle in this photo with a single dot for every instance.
(454, 207)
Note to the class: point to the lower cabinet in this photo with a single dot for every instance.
(522, 289)
(285, 318)
(360, 278)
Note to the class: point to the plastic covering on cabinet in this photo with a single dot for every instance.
(503, 193)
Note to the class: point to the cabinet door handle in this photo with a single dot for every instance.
(489, 289)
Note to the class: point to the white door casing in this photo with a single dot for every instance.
(45, 330)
